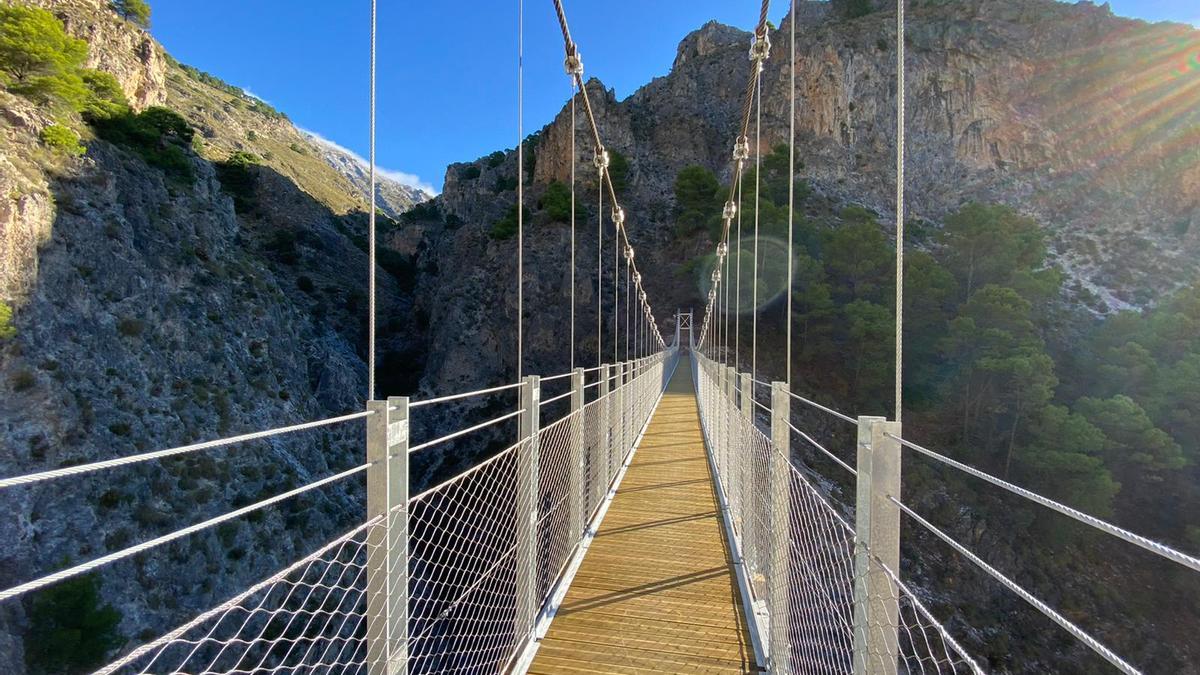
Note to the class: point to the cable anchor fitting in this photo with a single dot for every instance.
(618, 217)
(573, 63)
(722, 250)
(600, 158)
(741, 149)
(760, 48)
(629, 253)
(730, 211)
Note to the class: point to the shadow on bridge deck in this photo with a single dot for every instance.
(656, 591)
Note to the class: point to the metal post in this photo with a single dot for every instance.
(877, 530)
(527, 491)
(575, 482)
(623, 402)
(726, 404)
(745, 469)
(605, 425)
(780, 532)
(387, 557)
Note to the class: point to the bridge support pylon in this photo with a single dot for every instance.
(877, 540)
(387, 556)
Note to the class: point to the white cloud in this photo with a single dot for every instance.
(411, 180)
(254, 96)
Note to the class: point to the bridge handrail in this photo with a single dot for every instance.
(1080, 634)
(83, 568)
(1155, 547)
(170, 452)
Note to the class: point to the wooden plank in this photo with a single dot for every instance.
(656, 592)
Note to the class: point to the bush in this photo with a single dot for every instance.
(305, 284)
(7, 330)
(506, 227)
(556, 202)
(63, 140)
(298, 149)
(469, 172)
(130, 327)
(160, 136)
(422, 212)
(22, 380)
(618, 171)
(70, 631)
(238, 180)
(495, 159)
(505, 184)
(105, 98)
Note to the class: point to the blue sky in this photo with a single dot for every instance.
(447, 69)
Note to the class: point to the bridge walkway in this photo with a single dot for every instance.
(656, 591)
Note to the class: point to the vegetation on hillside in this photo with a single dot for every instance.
(7, 330)
(69, 629)
(137, 11)
(984, 377)
(39, 61)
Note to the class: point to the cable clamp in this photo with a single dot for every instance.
(629, 253)
(618, 215)
(730, 211)
(600, 158)
(741, 149)
(574, 63)
(760, 48)
(722, 250)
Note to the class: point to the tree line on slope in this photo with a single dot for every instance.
(1099, 413)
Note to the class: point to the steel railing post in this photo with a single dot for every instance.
(745, 469)
(606, 439)
(387, 542)
(877, 540)
(575, 482)
(527, 493)
(778, 563)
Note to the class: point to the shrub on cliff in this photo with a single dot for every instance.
(62, 139)
(506, 227)
(70, 631)
(7, 330)
(160, 136)
(556, 202)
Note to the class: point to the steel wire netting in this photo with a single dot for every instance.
(807, 579)
(460, 613)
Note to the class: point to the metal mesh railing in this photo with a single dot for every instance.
(798, 555)
(456, 581)
(310, 615)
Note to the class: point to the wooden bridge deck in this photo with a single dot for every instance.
(656, 592)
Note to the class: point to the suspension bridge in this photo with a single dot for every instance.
(660, 523)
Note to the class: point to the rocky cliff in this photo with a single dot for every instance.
(155, 308)
(1037, 104)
